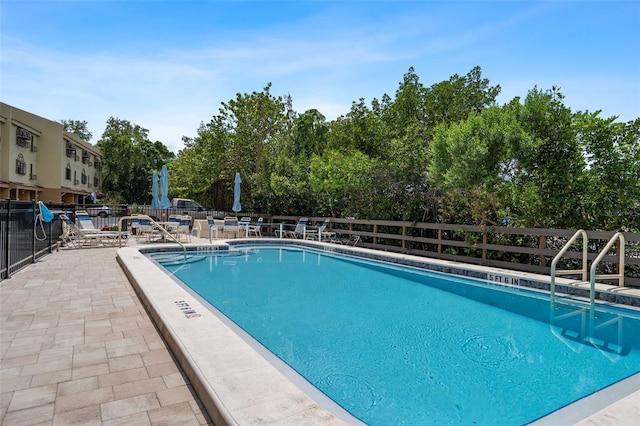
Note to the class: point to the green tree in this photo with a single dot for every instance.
(407, 110)
(199, 165)
(129, 159)
(475, 159)
(235, 140)
(360, 129)
(289, 184)
(612, 151)
(309, 134)
(453, 100)
(408, 193)
(78, 127)
(556, 164)
(343, 183)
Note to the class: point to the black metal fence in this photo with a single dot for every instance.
(24, 236)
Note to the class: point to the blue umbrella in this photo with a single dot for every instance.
(155, 202)
(164, 188)
(236, 194)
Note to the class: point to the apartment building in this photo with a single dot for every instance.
(40, 161)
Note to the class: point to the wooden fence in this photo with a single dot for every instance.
(520, 249)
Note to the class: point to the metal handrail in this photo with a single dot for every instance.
(583, 270)
(156, 224)
(619, 276)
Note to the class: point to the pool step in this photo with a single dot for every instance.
(177, 258)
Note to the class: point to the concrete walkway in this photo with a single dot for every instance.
(77, 347)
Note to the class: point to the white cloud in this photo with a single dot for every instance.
(326, 60)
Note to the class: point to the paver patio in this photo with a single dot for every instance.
(77, 347)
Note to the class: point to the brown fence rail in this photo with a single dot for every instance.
(520, 249)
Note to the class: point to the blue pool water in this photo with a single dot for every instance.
(397, 345)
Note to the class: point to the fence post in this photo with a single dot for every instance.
(6, 240)
(542, 245)
(439, 240)
(50, 231)
(375, 232)
(404, 234)
(33, 237)
(485, 240)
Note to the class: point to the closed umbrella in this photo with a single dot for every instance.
(164, 188)
(155, 201)
(236, 194)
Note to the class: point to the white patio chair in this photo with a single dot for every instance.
(85, 223)
(182, 228)
(76, 237)
(255, 230)
(300, 230)
(321, 233)
(231, 227)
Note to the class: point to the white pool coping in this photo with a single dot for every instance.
(240, 383)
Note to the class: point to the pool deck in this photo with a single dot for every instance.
(78, 346)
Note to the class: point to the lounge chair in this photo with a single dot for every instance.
(213, 228)
(347, 240)
(135, 227)
(144, 228)
(175, 218)
(231, 227)
(76, 237)
(85, 223)
(300, 230)
(172, 225)
(244, 224)
(182, 228)
(320, 234)
(255, 230)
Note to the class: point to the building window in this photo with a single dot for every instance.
(84, 177)
(75, 178)
(67, 172)
(21, 165)
(71, 150)
(85, 156)
(96, 181)
(32, 176)
(97, 162)
(23, 137)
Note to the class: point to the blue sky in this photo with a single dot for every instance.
(168, 65)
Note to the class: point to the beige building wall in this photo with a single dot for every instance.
(40, 161)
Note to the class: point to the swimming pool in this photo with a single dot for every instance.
(400, 345)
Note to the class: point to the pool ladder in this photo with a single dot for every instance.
(575, 325)
(618, 236)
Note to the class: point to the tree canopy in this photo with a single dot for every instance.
(78, 127)
(129, 160)
(447, 152)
